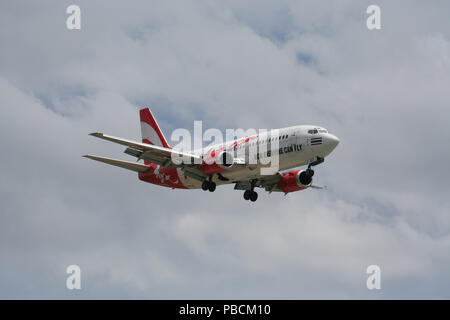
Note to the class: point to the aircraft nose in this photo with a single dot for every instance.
(331, 142)
(334, 141)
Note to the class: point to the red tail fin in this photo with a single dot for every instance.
(151, 133)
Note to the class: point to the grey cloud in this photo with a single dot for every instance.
(385, 94)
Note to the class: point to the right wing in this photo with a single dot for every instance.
(160, 155)
(269, 183)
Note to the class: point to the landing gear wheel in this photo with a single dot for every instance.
(253, 196)
(212, 186)
(247, 194)
(205, 185)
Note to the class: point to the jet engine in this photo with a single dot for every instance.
(222, 162)
(296, 180)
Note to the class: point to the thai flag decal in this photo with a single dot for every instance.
(316, 141)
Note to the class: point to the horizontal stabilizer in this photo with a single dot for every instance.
(119, 163)
(150, 150)
(124, 142)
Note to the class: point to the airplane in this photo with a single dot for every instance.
(206, 168)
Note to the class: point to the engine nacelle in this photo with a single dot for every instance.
(225, 160)
(295, 180)
(222, 162)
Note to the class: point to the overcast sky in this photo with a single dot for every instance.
(232, 64)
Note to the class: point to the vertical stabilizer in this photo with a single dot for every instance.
(151, 133)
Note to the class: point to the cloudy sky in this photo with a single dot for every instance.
(232, 64)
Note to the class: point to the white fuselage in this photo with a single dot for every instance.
(296, 146)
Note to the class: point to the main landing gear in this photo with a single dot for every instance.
(251, 194)
(209, 185)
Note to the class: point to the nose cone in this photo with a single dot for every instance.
(333, 140)
(330, 142)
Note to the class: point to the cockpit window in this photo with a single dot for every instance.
(323, 131)
(313, 131)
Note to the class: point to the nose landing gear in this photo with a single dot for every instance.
(306, 176)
